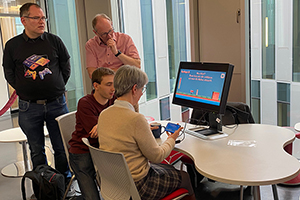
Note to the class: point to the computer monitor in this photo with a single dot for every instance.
(204, 86)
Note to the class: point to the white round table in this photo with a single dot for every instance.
(17, 169)
(246, 157)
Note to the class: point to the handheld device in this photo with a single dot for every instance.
(171, 127)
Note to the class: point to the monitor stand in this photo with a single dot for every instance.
(215, 125)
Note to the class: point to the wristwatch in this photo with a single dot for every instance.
(119, 52)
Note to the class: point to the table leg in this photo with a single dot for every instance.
(18, 169)
(256, 191)
(241, 192)
(275, 193)
(25, 157)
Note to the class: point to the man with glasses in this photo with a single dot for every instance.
(36, 64)
(109, 48)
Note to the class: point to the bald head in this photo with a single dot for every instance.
(101, 19)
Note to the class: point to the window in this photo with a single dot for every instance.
(176, 37)
(283, 104)
(275, 55)
(148, 47)
(268, 39)
(296, 41)
(255, 100)
(185, 113)
(165, 109)
(62, 20)
(161, 35)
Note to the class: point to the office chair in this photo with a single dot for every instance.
(116, 180)
(66, 125)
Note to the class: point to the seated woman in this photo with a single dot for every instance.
(121, 129)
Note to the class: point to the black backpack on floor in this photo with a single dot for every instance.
(47, 183)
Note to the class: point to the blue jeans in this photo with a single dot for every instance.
(85, 174)
(31, 120)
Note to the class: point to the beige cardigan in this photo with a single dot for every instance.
(121, 129)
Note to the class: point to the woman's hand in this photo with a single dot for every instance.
(175, 134)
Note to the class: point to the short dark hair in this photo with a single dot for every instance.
(24, 10)
(99, 73)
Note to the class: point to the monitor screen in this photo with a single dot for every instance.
(203, 86)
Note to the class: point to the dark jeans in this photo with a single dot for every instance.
(31, 120)
(85, 174)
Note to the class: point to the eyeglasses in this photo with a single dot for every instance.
(105, 34)
(144, 89)
(37, 19)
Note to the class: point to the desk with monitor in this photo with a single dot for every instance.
(251, 155)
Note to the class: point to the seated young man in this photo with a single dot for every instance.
(88, 109)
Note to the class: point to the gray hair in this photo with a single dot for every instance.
(126, 77)
(95, 19)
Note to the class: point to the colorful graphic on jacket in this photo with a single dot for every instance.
(32, 63)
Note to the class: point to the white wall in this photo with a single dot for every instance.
(256, 40)
(284, 40)
(161, 47)
(268, 102)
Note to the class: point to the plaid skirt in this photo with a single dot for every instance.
(160, 181)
